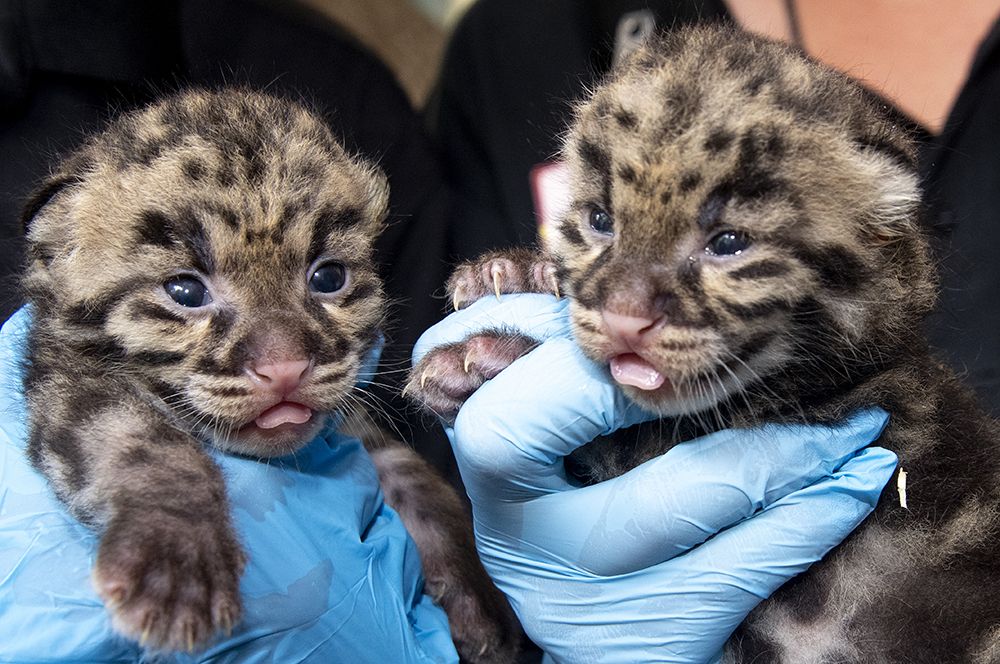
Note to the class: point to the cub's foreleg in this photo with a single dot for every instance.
(483, 625)
(168, 565)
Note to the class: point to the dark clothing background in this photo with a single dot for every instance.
(961, 178)
(67, 67)
(514, 66)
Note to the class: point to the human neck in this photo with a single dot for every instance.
(915, 53)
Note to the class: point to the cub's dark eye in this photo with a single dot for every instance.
(728, 243)
(601, 221)
(328, 278)
(187, 292)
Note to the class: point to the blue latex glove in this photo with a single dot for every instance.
(662, 563)
(332, 574)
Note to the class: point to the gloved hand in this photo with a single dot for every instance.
(665, 561)
(332, 574)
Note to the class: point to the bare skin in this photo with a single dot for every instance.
(916, 53)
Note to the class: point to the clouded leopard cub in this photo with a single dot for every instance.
(744, 246)
(202, 273)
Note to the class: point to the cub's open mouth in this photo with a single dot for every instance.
(285, 412)
(278, 430)
(631, 369)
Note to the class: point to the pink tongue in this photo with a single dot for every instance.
(283, 413)
(630, 369)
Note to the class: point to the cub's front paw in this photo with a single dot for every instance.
(168, 584)
(511, 271)
(449, 374)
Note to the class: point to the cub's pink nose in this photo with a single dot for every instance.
(630, 329)
(279, 377)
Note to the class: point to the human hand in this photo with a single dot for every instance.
(665, 561)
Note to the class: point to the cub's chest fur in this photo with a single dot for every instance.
(202, 273)
(744, 246)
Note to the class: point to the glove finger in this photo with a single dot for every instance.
(763, 552)
(535, 315)
(686, 607)
(670, 504)
(728, 576)
(512, 434)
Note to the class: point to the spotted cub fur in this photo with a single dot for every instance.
(202, 274)
(744, 246)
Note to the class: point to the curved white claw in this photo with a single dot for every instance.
(423, 378)
(496, 271)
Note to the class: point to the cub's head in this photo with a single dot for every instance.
(214, 249)
(743, 218)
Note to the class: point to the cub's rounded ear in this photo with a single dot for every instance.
(377, 192)
(894, 212)
(68, 174)
(43, 195)
(45, 218)
(887, 159)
